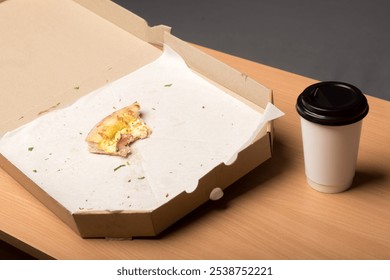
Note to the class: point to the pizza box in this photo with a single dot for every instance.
(58, 58)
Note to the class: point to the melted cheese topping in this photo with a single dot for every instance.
(123, 125)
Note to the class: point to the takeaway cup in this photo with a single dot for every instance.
(331, 119)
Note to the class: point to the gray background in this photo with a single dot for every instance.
(343, 40)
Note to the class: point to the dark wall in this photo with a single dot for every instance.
(346, 40)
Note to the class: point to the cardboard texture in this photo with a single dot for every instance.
(59, 51)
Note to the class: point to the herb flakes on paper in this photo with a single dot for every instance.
(118, 167)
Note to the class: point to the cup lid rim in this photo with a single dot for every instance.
(332, 103)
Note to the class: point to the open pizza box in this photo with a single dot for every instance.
(66, 64)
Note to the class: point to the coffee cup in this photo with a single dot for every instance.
(331, 116)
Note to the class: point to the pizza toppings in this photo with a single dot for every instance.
(114, 134)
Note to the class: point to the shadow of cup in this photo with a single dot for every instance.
(364, 177)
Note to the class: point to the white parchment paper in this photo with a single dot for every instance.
(195, 125)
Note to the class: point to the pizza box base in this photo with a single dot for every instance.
(67, 59)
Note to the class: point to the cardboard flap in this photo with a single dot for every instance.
(127, 20)
(252, 92)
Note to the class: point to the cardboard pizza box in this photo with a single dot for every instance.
(57, 52)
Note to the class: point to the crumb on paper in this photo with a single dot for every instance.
(141, 178)
(30, 149)
(35, 171)
(168, 85)
(76, 88)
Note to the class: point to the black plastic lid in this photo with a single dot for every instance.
(332, 103)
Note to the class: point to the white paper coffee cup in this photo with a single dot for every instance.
(331, 120)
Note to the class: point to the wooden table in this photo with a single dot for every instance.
(269, 214)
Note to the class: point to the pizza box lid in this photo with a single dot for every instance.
(55, 52)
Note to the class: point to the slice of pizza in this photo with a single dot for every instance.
(114, 134)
